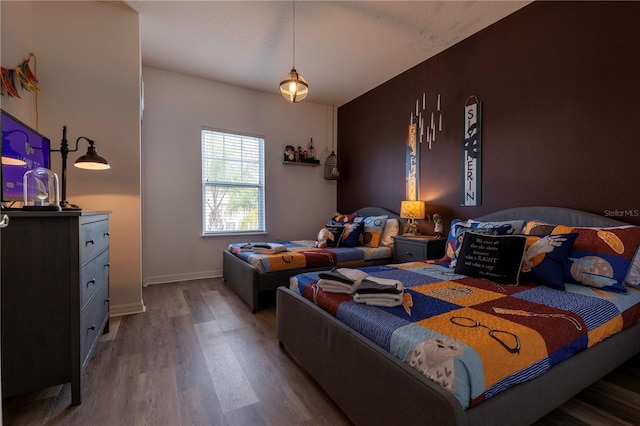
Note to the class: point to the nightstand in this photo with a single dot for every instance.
(417, 248)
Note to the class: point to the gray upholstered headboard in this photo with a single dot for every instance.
(553, 215)
(379, 211)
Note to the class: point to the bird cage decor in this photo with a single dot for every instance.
(331, 171)
(40, 188)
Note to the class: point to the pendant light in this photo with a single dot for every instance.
(293, 86)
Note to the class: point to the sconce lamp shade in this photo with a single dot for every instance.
(412, 210)
(91, 160)
(294, 87)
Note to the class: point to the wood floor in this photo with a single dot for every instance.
(199, 357)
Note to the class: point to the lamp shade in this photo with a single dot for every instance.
(92, 161)
(412, 210)
(293, 86)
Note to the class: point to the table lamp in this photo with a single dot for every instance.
(412, 210)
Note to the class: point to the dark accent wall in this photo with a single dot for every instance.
(560, 88)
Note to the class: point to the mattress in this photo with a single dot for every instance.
(474, 337)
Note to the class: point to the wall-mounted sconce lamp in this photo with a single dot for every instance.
(412, 210)
(90, 161)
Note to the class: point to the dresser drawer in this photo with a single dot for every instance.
(409, 251)
(417, 249)
(92, 320)
(94, 239)
(92, 276)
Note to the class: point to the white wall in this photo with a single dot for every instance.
(298, 199)
(17, 42)
(88, 67)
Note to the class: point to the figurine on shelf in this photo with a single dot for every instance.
(300, 153)
(289, 153)
(437, 227)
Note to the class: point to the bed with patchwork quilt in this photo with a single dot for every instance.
(362, 238)
(474, 343)
(305, 254)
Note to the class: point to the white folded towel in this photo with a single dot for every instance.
(379, 299)
(264, 248)
(387, 282)
(335, 286)
(380, 292)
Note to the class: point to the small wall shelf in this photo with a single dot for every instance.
(302, 163)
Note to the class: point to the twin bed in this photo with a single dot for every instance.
(357, 352)
(266, 273)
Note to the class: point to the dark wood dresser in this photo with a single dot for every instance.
(55, 297)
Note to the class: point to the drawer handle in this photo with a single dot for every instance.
(106, 234)
(409, 254)
(93, 281)
(93, 327)
(89, 242)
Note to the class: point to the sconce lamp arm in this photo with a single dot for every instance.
(64, 151)
(64, 144)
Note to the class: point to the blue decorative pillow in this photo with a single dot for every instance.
(352, 233)
(545, 258)
(494, 257)
(373, 226)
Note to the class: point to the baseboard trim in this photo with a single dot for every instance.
(127, 309)
(164, 279)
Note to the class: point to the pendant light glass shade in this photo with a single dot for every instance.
(293, 86)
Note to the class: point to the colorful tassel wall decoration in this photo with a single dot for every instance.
(20, 75)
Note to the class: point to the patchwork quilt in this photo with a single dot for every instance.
(304, 254)
(475, 337)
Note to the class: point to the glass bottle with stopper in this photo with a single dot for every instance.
(312, 150)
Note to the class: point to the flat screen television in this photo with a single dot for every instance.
(23, 149)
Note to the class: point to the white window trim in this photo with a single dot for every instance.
(261, 187)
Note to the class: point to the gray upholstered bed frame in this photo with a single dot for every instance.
(248, 282)
(374, 388)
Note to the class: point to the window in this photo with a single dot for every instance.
(232, 183)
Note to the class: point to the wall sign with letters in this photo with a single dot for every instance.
(471, 153)
(413, 161)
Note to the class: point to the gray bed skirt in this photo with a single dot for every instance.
(374, 388)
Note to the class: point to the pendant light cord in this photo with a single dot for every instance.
(294, 34)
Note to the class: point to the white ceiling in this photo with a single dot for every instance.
(342, 48)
